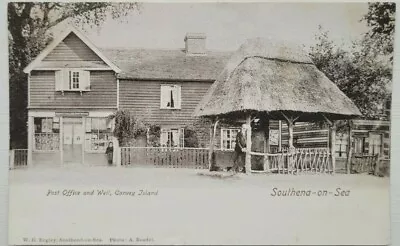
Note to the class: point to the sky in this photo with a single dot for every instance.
(228, 25)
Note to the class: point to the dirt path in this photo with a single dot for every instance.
(187, 208)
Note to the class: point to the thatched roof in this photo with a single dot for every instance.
(269, 76)
(142, 64)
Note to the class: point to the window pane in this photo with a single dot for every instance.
(75, 80)
(224, 144)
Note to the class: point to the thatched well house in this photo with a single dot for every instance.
(274, 80)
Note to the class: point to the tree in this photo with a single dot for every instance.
(361, 73)
(381, 20)
(28, 33)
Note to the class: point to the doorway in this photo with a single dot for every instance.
(73, 136)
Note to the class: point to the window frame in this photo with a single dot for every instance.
(169, 134)
(64, 79)
(178, 103)
(89, 132)
(232, 139)
(370, 145)
(71, 79)
(54, 133)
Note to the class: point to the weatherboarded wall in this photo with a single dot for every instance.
(72, 49)
(143, 99)
(103, 91)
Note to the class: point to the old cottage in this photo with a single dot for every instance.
(74, 86)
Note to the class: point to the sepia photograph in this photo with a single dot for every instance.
(229, 123)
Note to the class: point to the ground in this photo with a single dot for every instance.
(182, 207)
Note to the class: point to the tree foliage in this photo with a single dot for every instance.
(381, 20)
(128, 126)
(28, 33)
(361, 72)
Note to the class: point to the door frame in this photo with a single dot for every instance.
(62, 122)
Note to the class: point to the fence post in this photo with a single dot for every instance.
(116, 152)
(12, 156)
(30, 140)
(377, 160)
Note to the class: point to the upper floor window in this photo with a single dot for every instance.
(228, 138)
(72, 80)
(170, 97)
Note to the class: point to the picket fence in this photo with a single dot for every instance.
(165, 157)
(364, 163)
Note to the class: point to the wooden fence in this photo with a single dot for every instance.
(165, 157)
(18, 158)
(307, 160)
(364, 163)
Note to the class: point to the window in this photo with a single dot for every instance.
(228, 138)
(170, 97)
(72, 80)
(98, 134)
(341, 145)
(359, 145)
(375, 144)
(46, 133)
(172, 138)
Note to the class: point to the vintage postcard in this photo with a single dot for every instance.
(138, 123)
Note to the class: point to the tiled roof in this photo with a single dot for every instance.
(167, 64)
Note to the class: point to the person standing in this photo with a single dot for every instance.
(239, 150)
(109, 153)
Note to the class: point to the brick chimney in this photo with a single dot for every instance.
(195, 44)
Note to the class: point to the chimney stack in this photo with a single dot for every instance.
(195, 44)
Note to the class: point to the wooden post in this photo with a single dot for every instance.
(280, 136)
(266, 145)
(83, 141)
(117, 152)
(349, 147)
(147, 137)
(332, 141)
(61, 140)
(212, 142)
(248, 144)
(333, 146)
(290, 129)
(380, 156)
(30, 140)
(290, 123)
